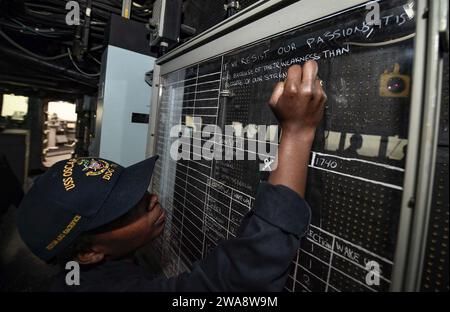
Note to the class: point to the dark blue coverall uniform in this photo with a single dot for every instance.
(257, 259)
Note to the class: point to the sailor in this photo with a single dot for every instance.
(98, 213)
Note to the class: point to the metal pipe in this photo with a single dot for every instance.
(28, 80)
(428, 150)
(126, 8)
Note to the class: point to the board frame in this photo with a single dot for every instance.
(237, 33)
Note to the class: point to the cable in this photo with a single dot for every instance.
(40, 57)
(39, 12)
(48, 9)
(96, 48)
(49, 33)
(97, 61)
(79, 69)
(53, 68)
(383, 43)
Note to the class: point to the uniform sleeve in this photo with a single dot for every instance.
(258, 258)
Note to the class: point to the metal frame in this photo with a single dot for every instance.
(226, 37)
(153, 118)
(422, 146)
(201, 38)
(207, 45)
(126, 8)
(412, 157)
(428, 150)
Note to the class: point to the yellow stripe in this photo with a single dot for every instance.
(64, 233)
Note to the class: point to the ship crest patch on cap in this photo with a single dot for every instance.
(93, 167)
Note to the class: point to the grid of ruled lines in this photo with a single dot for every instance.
(202, 211)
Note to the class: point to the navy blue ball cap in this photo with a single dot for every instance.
(78, 195)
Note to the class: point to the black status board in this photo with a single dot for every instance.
(356, 169)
